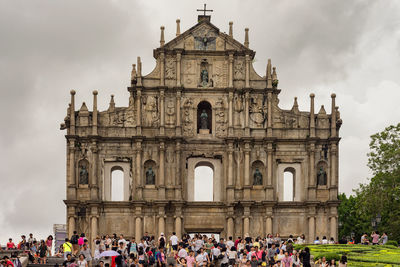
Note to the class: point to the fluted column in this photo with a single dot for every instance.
(269, 193)
(179, 183)
(312, 116)
(94, 227)
(247, 115)
(246, 220)
(229, 226)
(230, 82)
(333, 227)
(71, 171)
(138, 227)
(247, 185)
(230, 187)
(311, 178)
(268, 225)
(178, 69)
(161, 220)
(138, 112)
(162, 109)
(311, 229)
(139, 180)
(178, 226)
(247, 76)
(94, 190)
(71, 225)
(162, 69)
(269, 115)
(178, 129)
(230, 114)
(161, 184)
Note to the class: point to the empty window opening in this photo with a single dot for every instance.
(117, 185)
(288, 184)
(203, 183)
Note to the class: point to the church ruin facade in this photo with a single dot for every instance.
(203, 105)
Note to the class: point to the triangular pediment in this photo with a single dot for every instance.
(204, 36)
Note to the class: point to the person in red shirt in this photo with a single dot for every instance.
(7, 261)
(10, 244)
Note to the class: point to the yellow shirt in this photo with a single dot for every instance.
(67, 247)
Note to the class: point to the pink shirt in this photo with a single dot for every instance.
(375, 238)
(81, 241)
(190, 261)
(287, 261)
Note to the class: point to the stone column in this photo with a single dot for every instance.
(162, 115)
(178, 226)
(94, 117)
(71, 171)
(178, 129)
(161, 220)
(269, 194)
(139, 181)
(333, 187)
(178, 179)
(247, 78)
(138, 228)
(333, 227)
(94, 189)
(246, 221)
(230, 82)
(311, 229)
(229, 226)
(162, 69)
(268, 225)
(311, 178)
(230, 186)
(178, 69)
(247, 115)
(161, 172)
(94, 228)
(138, 112)
(247, 185)
(269, 115)
(230, 115)
(71, 225)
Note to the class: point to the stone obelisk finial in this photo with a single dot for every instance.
(231, 29)
(246, 37)
(162, 40)
(139, 72)
(72, 115)
(333, 116)
(178, 27)
(111, 107)
(312, 116)
(269, 74)
(94, 120)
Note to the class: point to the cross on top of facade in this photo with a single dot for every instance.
(205, 10)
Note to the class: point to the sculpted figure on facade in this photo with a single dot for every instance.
(151, 116)
(83, 175)
(188, 127)
(257, 177)
(257, 111)
(321, 176)
(238, 108)
(150, 176)
(239, 70)
(170, 113)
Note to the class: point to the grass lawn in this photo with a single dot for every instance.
(357, 255)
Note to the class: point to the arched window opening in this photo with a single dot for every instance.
(288, 184)
(117, 184)
(203, 182)
(204, 117)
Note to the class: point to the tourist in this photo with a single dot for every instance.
(324, 240)
(108, 242)
(232, 256)
(331, 241)
(316, 241)
(161, 241)
(22, 245)
(174, 241)
(280, 257)
(287, 260)
(86, 252)
(343, 261)
(296, 259)
(161, 258)
(301, 239)
(364, 239)
(42, 252)
(31, 239)
(375, 238)
(271, 254)
(74, 242)
(49, 244)
(97, 252)
(323, 262)
(141, 256)
(190, 260)
(384, 238)
(67, 248)
(10, 244)
(67, 261)
(182, 253)
(332, 263)
(132, 247)
(81, 240)
(305, 257)
(254, 261)
(277, 240)
(181, 262)
(82, 262)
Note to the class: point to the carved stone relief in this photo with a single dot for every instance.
(239, 70)
(151, 112)
(189, 43)
(170, 113)
(204, 38)
(258, 113)
(170, 68)
(220, 118)
(188, 126)
(220, 74)
(189, 75)
(170, 158)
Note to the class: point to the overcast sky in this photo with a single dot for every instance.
(49, 47)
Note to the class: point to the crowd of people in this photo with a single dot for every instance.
(190, 251)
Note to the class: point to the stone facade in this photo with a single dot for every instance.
(246, 138)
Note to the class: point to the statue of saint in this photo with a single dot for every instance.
(83, 175)
(204, 77)
(203, 120)
(321, 176)
(257, 177)
(150, 176)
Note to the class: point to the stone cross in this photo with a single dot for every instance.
(205, 9)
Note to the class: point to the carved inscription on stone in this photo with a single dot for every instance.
(170, 111)
(220, 74)
(220, 118)
(189, 75)
(188, 126)
(239, 70)
(257, 111)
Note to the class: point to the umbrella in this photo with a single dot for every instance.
(109, 253)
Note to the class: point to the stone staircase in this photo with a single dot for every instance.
(51, 261)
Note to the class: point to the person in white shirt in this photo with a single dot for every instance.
(174, 241)
(229, 243)
(182, 253)
(316, 241)
(324, 240)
